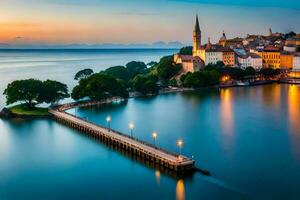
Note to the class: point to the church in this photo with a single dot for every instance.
(203, 55)
(192, 63)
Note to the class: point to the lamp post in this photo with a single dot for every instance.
(108, 119)
(179, 144)
(131, 127)
(154, 136)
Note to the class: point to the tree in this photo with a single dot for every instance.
(166, 68)
(233, 72)
(119, 72)
(152, 64)
(250, 71)
(33, 92)
(82, 74)
(200, 79)
(269, 72)
(173, 82)
(53, 91)
(27, 91)
(134, 68)
(186, 50)
(145, 84)
(220, 64)
(99, 86)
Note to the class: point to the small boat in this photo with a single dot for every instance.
(242, 84)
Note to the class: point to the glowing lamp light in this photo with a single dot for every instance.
(131, 126)
(154, 135)
(179, 143)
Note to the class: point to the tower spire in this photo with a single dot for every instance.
(197, 38)
(270, 31)
(197, 27)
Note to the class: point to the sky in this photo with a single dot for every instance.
(140, 21)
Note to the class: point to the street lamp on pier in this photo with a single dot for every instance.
(154, 136)
(179, 144)
(108, 119)
(131, 127)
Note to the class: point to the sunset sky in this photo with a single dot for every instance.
(139, 21)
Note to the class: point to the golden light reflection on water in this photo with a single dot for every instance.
(294, 108)
(226, 111)
(157, 177)
(271, 95)
(180, 191)
(294, 118)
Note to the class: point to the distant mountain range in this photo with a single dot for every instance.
(159, 44)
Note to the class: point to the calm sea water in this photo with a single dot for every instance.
(248, 138)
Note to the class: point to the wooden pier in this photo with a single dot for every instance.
(156, 155)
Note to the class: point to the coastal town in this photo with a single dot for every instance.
(275, 51)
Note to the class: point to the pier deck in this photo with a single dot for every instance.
(152, 153)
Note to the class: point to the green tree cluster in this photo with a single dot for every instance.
(145, 84)
(33, 92)
(269, 72)
(186, 50)
(234, 72)
(99, 86)
(166, 68)
(200, 79)
(127, 72)
(83, 74)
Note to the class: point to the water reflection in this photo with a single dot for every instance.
(226, 111)
(294, 117)
(272, 96)
(180, 191)
(157, 177)
(294, 108)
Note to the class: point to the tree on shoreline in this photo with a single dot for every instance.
(82, 74)
(166, 68)
(27, 91)
(99, 86)
(145, 84)
(33, 92)
(53, 91)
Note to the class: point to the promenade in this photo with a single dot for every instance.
(150, 152)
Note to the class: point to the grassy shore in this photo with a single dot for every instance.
(24, 110)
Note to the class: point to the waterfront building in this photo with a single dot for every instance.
(228, 57)
(189, 63)
(213, 55)
(296, 62)
(293, 41)
(290, 48)
(271, 57)
(286, 60)
(250, 60)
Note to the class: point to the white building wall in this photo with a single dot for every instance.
(244, 62)
(256, 63)
(213, 57)
(296, 63)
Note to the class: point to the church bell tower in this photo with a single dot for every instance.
(196, 37)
